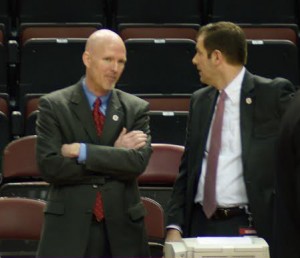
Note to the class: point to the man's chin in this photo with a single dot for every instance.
(110, 87)
(202, 81)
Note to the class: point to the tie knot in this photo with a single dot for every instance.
(223, 95)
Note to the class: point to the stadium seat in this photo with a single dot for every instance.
(21, 177)
(56, 30)
(30, 113)
(148, 30)
(6, 15)
(252, 11)
(156, 11)
(61, 11)
(21, 221)
(168, 113)
(154, 222)
(274, 58)
(4, 123)
(167, 102)
(168, 126)
(159, 66)
(63, 66)
(19, 158)
(157, 180)
(271, 31)
(21, 218)
(3, 61)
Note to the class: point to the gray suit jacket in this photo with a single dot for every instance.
(260, 119)
(65, 117)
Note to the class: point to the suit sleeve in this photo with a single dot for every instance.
(177, 205)
(53, 166)
(286, 94)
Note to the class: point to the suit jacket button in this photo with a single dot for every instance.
(95, 186)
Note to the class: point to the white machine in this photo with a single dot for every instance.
(218, 247)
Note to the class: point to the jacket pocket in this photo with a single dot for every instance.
(55, 208)
(137, 212)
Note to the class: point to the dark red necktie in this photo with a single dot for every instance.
(99, 119)
(98, 116)
(209, 199)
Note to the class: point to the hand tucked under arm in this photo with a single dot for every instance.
(70, 150)
(131, 140)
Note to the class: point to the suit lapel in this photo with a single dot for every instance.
(205, 111)
(247, 106)
(114, 117)
(82, 111)
(207, 107)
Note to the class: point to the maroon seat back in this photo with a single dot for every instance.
(21, 218)
(163, 165)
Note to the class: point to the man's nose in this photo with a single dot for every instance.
(194, 60)
(115, 66)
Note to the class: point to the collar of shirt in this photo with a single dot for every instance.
(233, 89)
(91, 98)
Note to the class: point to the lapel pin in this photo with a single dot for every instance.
(249, 101)
(115, 117)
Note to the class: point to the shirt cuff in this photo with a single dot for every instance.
(172, 226)
(82, 153)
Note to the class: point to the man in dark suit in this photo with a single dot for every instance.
(288, 184)
(82, 160)
(240, 200)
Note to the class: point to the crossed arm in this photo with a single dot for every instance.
(131, 140)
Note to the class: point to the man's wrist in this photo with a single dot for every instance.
(174, 227)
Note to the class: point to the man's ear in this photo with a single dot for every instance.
(86, 58)
(218, 57)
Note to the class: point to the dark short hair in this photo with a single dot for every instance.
(226, 37)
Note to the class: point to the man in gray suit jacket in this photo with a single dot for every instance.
(246, 163)
(78, 163)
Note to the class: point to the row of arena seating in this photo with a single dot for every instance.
(22, 218)
(158, 63)
(111, 13)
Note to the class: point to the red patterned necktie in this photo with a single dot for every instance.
(209, 199)
(98, 116)
(99, 119)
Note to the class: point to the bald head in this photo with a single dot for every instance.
(102, 37)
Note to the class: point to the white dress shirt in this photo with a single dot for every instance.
(230, 186)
